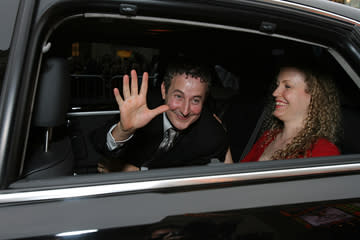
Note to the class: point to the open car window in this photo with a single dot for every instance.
(96, 49)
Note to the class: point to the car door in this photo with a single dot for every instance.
(191, 200)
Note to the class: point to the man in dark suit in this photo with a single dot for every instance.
(140, 140)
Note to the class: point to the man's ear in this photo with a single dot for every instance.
(163, 91)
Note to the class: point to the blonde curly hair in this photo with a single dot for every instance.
(323, 119)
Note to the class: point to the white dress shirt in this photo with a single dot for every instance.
(112, 144)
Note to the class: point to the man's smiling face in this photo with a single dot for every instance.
(185, 97)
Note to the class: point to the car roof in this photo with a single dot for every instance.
(305, 5)
(322, 7)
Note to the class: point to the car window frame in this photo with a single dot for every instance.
(14, 99)
(213, 25)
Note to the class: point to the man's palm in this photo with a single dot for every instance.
(134, 112)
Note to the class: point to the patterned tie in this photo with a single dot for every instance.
(165, 145)
(168, 141)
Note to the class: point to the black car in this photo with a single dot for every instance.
(60, 60)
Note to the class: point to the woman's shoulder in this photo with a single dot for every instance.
(324, 147)
(324, 143)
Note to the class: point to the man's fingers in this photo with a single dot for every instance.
(126, 90)
(144, 84)
(118, 97)
(134, 83)
(160, 109)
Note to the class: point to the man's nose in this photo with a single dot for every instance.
(185, 108)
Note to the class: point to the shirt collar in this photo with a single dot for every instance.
(167, 123)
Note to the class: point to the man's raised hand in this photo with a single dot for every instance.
(134, 112)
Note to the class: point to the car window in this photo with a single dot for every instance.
(8, 10)
(243, 66)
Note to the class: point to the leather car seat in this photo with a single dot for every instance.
(51, 155)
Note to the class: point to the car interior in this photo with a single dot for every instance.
(87, 58)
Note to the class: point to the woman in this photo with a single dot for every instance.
(305, 120)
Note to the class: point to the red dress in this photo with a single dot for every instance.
(322, 147)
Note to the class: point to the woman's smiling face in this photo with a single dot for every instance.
(291, 98)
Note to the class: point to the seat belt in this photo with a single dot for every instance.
(253, 136)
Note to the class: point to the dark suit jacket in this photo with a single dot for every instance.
(203, 140)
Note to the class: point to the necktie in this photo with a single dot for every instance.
(165, 145)
(168, 141)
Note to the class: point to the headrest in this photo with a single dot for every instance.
(52, 100)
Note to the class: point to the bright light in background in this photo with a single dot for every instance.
(75, 52)
(124, 53)
(76, 233)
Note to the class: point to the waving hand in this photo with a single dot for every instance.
(134, 112)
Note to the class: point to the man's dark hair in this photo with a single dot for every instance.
(189, 67)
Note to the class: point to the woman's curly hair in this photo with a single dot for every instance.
(323, 119)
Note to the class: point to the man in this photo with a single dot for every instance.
(137, 141)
